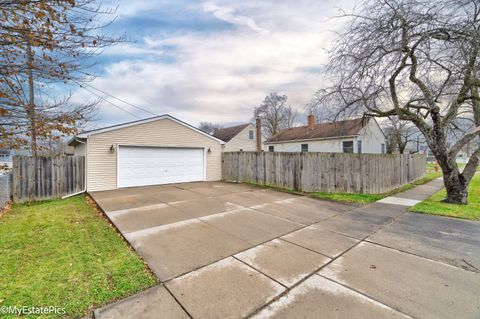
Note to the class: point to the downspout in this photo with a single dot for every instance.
(85, 175)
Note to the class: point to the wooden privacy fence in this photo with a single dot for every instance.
(324, 172)
(38, 178)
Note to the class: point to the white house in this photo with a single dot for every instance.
(6, 156)
(238, 138)
(361, 135)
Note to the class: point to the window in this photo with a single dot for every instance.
(347, 146)
(304, 147)
(250, 135)
(271, 148)
(359, 147)
(383, 148)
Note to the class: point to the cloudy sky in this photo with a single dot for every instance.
(213, 60)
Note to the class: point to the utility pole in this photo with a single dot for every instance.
(31, 98)
(50, 145)
(258, 129)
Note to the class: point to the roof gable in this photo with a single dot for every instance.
(227, 133)
(320, 131)
(86, 134)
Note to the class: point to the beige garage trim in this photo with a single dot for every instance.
(164, 131)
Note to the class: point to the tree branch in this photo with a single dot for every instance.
(467, 138)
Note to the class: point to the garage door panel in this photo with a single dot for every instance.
(140, 166)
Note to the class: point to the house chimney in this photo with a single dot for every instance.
(258, 126)
(311, 121)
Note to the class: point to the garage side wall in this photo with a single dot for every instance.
(102, 163)
(79, 150)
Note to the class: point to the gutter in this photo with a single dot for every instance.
(85, 175)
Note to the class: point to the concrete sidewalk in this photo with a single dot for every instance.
(233, 251)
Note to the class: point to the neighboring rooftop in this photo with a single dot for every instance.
(227, 133)
(320, 131)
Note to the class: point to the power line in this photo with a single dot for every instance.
(104, 99)
(121, 100)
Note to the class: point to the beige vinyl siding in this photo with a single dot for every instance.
(102, 164)
(79, 150)
(241, 141)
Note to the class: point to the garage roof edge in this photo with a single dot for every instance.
(87, 134)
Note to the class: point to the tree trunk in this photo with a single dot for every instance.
(455, 182)
(401, 147)
(456, 187)
(31, 100)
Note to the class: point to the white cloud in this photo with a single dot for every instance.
(228, 14)
(220, 76)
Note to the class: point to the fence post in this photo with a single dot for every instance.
(46, 177)
(328, 172)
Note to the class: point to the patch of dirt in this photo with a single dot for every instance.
(5, 209)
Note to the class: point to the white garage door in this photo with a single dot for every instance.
(140, 166)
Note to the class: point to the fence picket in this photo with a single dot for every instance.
(47, 177)
(324, 172)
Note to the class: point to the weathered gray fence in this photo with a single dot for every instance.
(5, 189)
(38, 178)
(324, 172)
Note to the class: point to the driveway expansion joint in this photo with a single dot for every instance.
(376, 225)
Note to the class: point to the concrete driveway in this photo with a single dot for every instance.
(226, 250)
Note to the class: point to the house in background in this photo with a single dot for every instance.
(361, 135)
(6, 156)
(240, 138)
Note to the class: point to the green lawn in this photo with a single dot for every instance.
(369, 198)
(355, 198)
(63, 253)
(348, 197)
(434, 206)
(431, 167)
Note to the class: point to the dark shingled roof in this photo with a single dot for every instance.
(227, 133)
(322, 130)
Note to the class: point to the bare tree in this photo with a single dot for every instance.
(208, 127)
(329, 111)
(275, 114)
(400, 134)
(417, 60)
(45, 46)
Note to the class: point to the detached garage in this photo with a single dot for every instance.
(154, 151)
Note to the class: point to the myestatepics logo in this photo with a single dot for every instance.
(31, 310)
